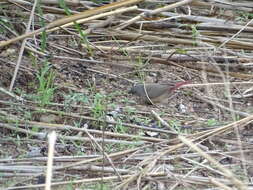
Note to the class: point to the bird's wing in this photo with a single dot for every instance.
(156, 90)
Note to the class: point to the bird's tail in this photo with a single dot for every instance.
(179, 84)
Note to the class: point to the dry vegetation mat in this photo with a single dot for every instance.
(68, 121)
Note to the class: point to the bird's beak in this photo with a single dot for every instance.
(130, 91)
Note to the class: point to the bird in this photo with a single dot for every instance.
(152, 93)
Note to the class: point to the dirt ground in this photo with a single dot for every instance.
(79, 87)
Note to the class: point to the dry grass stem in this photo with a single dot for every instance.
(70, 67)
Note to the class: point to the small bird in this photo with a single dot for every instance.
(157, 93)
